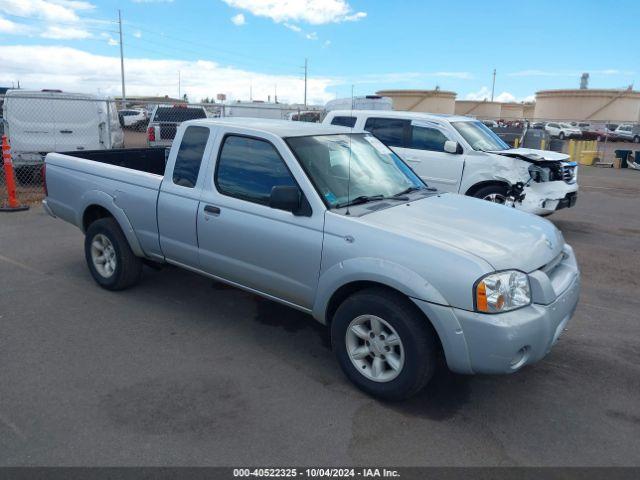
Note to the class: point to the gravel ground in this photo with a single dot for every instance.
(184, 371)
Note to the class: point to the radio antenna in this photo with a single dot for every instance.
(348, 212)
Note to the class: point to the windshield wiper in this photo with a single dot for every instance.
(371, 198)
(413, 189)
(359, 200)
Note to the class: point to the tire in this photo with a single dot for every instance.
(415, 355)
(561, 135)
(636, 139)
(492, 193)
(125, 269)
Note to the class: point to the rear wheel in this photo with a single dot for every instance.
(636, 139)
(384, 345)
(561, 136)
(492, 193)
(111, 262)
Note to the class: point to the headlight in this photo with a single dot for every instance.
(502, 291)
(539, 174)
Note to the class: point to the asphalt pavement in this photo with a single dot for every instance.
(181, 370)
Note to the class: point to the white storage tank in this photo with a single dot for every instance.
(588, 105)
(429, 101)
(479, 109)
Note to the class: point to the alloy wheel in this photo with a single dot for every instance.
(374, 348)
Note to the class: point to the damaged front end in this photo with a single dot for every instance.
(551, 184)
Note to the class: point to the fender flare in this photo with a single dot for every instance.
(106, 201)
(367, 269)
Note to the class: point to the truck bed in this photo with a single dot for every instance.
(150, 160)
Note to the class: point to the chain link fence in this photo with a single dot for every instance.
(37, 123)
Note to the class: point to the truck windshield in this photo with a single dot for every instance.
(479, 136)
(347, 169)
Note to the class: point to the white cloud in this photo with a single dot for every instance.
(238, 19)
(152, 1)
(290, 26)
(485, 94)
(13, 28)
(326, 44)
(315, 12)
(71, 69)
(311, 36)
(51, 10)
(58, 16)
(64, 33)
(137, 34)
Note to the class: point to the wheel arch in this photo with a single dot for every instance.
(471, 191)
(351, 288)
(96, 205)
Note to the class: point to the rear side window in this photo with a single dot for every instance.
(249, 168)
(344, 121)
(390, 131)
(178, 114)
(189, 158)
(423, 138)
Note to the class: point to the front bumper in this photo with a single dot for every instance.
(503, 343)
(547, 197)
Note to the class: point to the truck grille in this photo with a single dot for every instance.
(568, 173)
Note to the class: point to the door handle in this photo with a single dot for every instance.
(212, 210)
(66, 131)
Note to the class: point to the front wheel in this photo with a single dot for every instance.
(111, 262)
(561, 136)
(493, 193)
(636, 139)
(384, 345)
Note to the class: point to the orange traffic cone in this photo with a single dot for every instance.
(12, 205)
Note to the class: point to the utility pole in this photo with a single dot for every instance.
(493, 87)
(305, 82)
(124, 99)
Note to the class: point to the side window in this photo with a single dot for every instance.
(249, 168)
(424, 138)
(189, 157)
(344, 121)
(390, 131)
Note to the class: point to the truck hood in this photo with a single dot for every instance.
(533, 155)
(504, 237)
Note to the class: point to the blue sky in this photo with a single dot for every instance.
(232, 46)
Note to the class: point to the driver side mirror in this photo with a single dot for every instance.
(290, 199)
(452, 147)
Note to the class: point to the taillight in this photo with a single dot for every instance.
(44, 179)
(151, 134)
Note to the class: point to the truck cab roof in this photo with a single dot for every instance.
(280, 128)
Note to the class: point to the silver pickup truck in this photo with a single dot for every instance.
(329, 221)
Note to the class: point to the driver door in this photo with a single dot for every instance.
(423, 150)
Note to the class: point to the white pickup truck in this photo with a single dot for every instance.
(333, 223)
(462, 155)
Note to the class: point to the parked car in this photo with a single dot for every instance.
(329, 221)
(490, 123)
(537, 125)
(39, 122)
(627, 133)
(461, 155)
(134, 118)
(165, 120)
(562, 130)
(599, 131)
